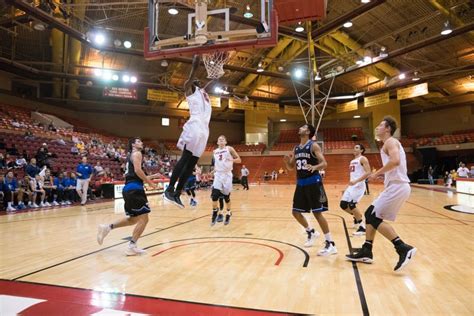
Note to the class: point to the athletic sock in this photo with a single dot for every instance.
(328, 236)
(309, 228)
(368, 244)
(397, 242)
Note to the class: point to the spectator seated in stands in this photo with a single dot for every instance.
(354, 137)
(42, 156)
(74, 150)
(20, 162)
(266, 176)
(3, 162)
(51, 127)
(10, 162)
(36, 185)
(274, 175)
(26, 188)
(12, 189)
(15, 123)
(2, 193)
(12, 150)
(280, 171)
(32, 169)
(25, 155)
(98, 170)
(61, 142)
(29, 135)
(2, 143)
(50, 189)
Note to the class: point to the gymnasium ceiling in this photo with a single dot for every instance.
(408, 30)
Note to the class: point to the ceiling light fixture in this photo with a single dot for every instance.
(133, 79)
(402, 76)
(98, 72)
(248, 14)
(115, 77)
(348, 24)
(260, 67)
(99, 39)
(173, 11)
(127, 44)
(365, 1)
(164, 63)
(39, 26)
(446, 28)
(125, 78)
(298, 73)
(356, 116)
(415, 76)
(299, 28)
(317, 77)
(282, 120)
(383, 52)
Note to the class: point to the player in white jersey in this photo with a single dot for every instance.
(387, 205)
(194, 137)
(223, 160)
(359, 169)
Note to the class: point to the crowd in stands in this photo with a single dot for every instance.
(38, 162)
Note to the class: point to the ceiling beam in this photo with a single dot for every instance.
(410, 48)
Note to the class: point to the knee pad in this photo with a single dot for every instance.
(215, 195)
(344, 205)
(227, 198)
(371, 219)
(352, 205)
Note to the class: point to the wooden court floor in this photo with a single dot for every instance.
(257, 263)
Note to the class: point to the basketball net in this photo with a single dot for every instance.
(214, 63)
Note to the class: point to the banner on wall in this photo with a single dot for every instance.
(233, 104)
(269, 107)
(346, 107)
(162, 95)
(377, 99)
(413, 91)
(295, 110)
(123, 93)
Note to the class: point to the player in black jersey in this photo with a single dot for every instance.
(136, 203)
(309, 195)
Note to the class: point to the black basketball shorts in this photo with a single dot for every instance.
(136, 203)
(310, 198)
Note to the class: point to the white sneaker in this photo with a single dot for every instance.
(328, 249)
(42, 204)
(11, 209)
(312, 235)
(103, 230)
(63, 203)
(133, 250)
(47, 204)
(55, 203)
(34, 205)
(68, 202)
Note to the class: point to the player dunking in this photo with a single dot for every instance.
(309, 194)
(223, 159)
(193, 139)
(359, 169)
(136, 202)
(388, 203)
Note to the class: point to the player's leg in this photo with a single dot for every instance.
(215, 194)
(228, 206)
(301, 205)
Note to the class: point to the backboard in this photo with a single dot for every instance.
(187, 27)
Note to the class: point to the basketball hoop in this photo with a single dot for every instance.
(214, 63)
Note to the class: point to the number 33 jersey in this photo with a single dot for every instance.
(303, 157)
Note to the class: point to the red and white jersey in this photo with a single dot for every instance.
(199, 107)
(223, 160)
(356, 169)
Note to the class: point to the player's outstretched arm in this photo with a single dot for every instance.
(188, 85)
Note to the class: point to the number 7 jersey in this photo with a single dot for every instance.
(304, 156)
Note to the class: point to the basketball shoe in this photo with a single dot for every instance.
(405, 253)
(102, 231)
(312, 235)
(328, 249)
(364, 255)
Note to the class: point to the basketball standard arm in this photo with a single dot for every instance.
(188, 85)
